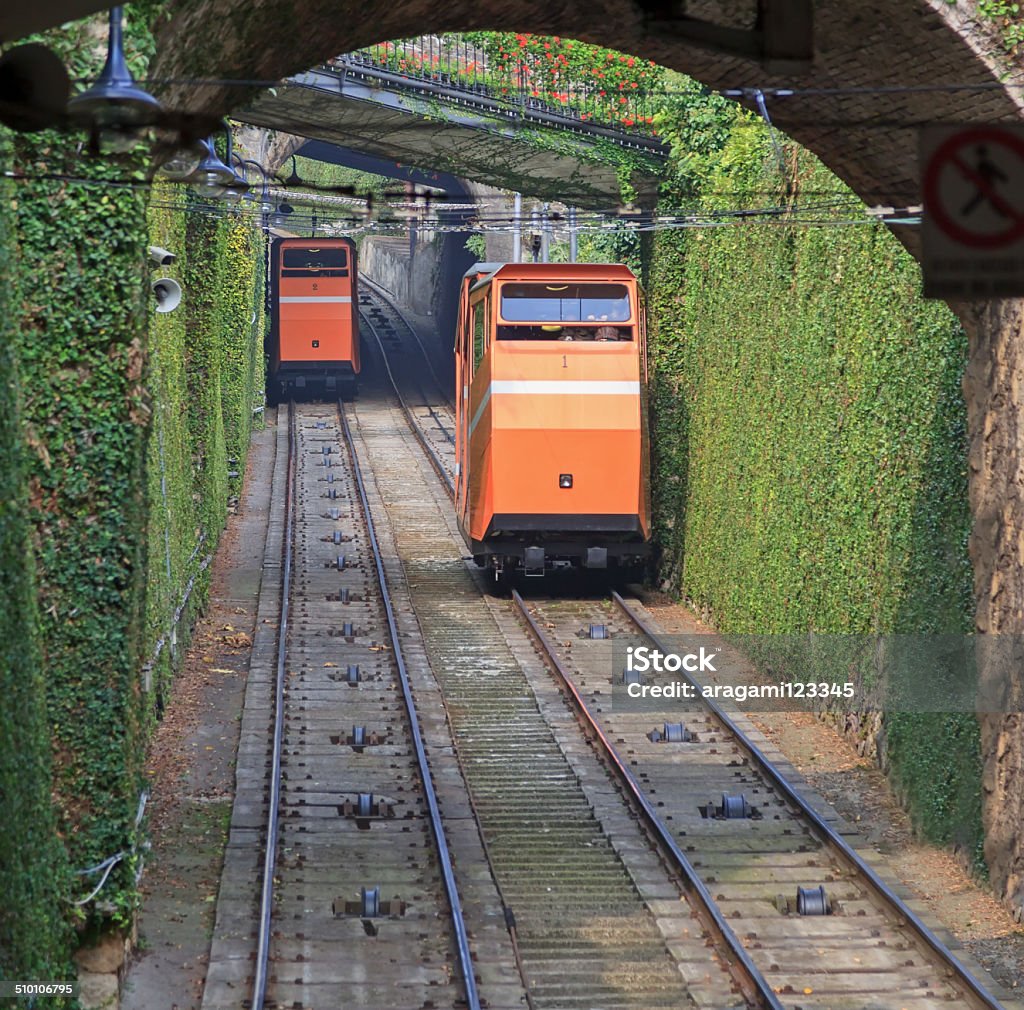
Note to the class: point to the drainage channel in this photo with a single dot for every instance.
(596, 917)
(817, 920)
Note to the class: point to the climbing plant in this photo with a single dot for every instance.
(34, 937)
(116, 485)
(810, 449)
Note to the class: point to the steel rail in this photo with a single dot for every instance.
(825, 832)
(444, 856)
(385, 295)
(435, 460)
(754, 985)
(259, 987)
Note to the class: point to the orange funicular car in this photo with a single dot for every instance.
(314, 328)
(552, 436)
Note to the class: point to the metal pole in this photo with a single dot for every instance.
(573, 239)
(517, 229)
(534, 232)
(545, 236)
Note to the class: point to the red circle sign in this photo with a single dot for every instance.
(949, 156)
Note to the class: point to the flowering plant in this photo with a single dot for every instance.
(593, 83)
(603, 83)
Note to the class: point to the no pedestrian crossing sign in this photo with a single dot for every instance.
(972, 238)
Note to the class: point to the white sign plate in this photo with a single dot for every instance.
(972, 232)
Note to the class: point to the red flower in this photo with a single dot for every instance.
(622, 101)
(547, 45)
(630, 62)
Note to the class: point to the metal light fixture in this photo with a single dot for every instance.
(181, 162)
(294, 179)
(282, 213)
(211, 175)
(115, 102)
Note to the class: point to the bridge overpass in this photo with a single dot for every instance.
(516, 144)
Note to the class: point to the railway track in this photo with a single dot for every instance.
(412, 377)
(764, 851)
(355, 892)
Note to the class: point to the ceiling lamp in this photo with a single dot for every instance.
(237, 186)
(180, 162)
(211, 175)
(114, 102)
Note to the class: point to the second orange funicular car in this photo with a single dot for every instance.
(313, 342)
(552, 436)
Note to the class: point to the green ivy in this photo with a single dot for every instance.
(34, 938)
(115, 430)
(810, 446)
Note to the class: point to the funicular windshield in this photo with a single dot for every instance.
(303, 261)
(574, 311)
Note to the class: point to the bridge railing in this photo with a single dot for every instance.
(462, 67)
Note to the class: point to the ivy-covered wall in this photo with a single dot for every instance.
(206, 375)
(80, 344)
(810, 467)
(116, 426)
(33, 869)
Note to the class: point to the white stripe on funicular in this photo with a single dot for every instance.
(304, 300)
(581, 387)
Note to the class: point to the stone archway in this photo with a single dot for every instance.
(857, 109)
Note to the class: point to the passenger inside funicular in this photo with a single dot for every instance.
(541, 312)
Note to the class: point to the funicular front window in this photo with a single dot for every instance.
(564, 303)
(314, 260)
(573, 311)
